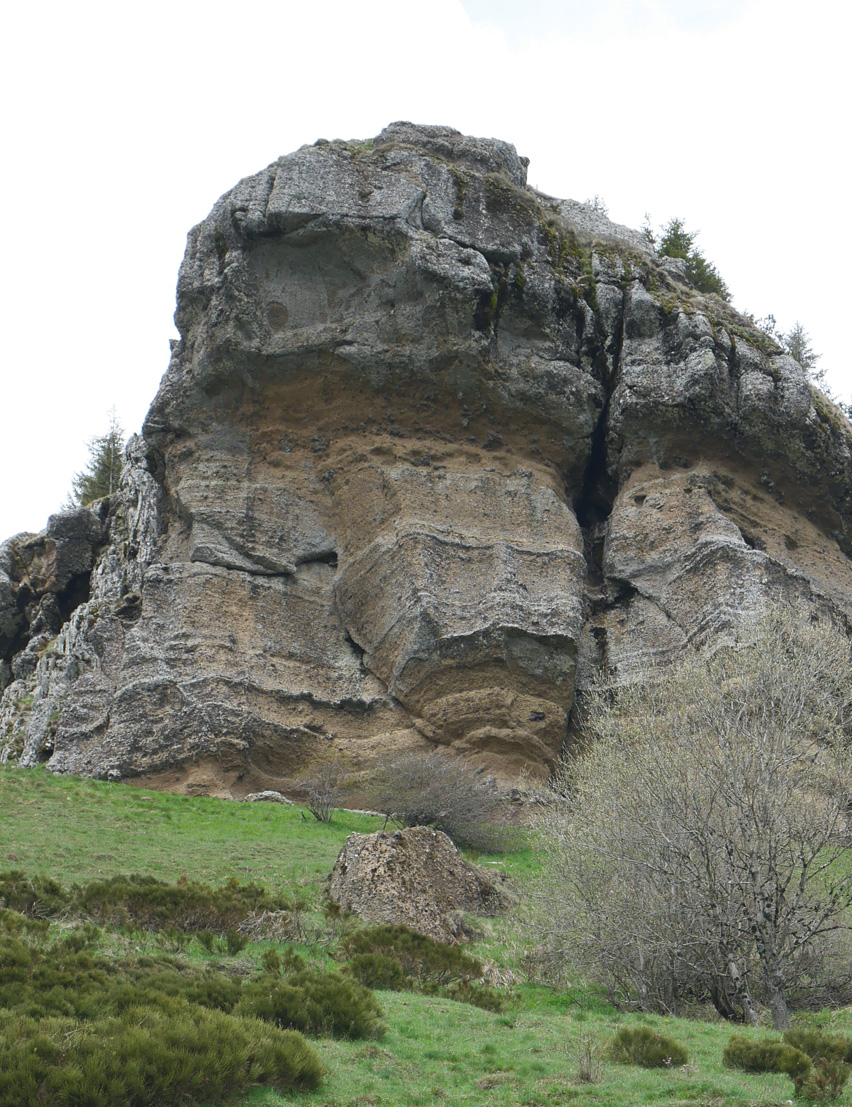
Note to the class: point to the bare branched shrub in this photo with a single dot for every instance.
(587, 1050)
(434, 790)
(700, 847)
(275, 926)
(323, 785)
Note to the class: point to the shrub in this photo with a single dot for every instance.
(400, 959)
(315, 1003)
(640, 1045)
(432, 790)
(648, 885)
(323, 784)
(235, 942)
(207, 939)
(817, 1044)
(475, 994)
(422, 959)
(39, 897)
(586, 1051)
(146, 1057)
(765, 1056)
(73, 983)
(375, 970)
(187, 905)
(825, 1081)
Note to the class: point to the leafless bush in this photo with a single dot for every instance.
(323, 785)
(587, 1050)
(275, 926)
(700, 846)
(434, 790)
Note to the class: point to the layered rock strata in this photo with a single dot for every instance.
(432, 449)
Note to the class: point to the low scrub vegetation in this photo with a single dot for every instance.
(145, 902)
(398, 959)
(172, 1053)
(188, 905)
(640, 1045)
(319, 1003)
(751, 1055)
(815, 1062)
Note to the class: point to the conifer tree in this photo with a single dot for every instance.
(101, 476)
(677, 242)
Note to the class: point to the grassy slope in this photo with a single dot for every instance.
(436, 1052)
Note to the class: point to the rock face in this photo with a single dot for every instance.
(433, 447)
(415, 878)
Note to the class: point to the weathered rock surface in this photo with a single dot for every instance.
(416, 878)
(433, 447)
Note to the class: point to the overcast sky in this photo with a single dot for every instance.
(123, 123)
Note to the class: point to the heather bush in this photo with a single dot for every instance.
(825, 1081)
(324, 1003)
(142, 901)
(72, 983)
(187, 905)
(422, 959)
(816, 1044)
(39, 897)
(814, 1061)
(640, 1045)
(400, 959)
(172, 1054)
(375, 970)
(765, 1056)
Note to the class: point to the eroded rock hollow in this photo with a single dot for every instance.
(432, 449)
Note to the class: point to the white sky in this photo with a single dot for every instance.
(123, 123)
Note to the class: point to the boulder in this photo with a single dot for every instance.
(267, 797)
(414, 877)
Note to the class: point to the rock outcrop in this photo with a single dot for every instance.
(432, 448)
(414, 877)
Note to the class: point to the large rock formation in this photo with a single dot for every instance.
(432, 448)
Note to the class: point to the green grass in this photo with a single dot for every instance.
(448, 1055)
(76, 830)
(436, 1051)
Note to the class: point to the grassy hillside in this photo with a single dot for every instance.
(435, 1050)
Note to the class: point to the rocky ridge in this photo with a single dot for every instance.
(432, 449)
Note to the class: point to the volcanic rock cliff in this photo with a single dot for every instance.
(432, 448)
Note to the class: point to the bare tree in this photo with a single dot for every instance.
(323, 784)
(701, 846)
(431, 789)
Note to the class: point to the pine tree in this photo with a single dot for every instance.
(101, 476)
(677, 242)
(797, 343)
